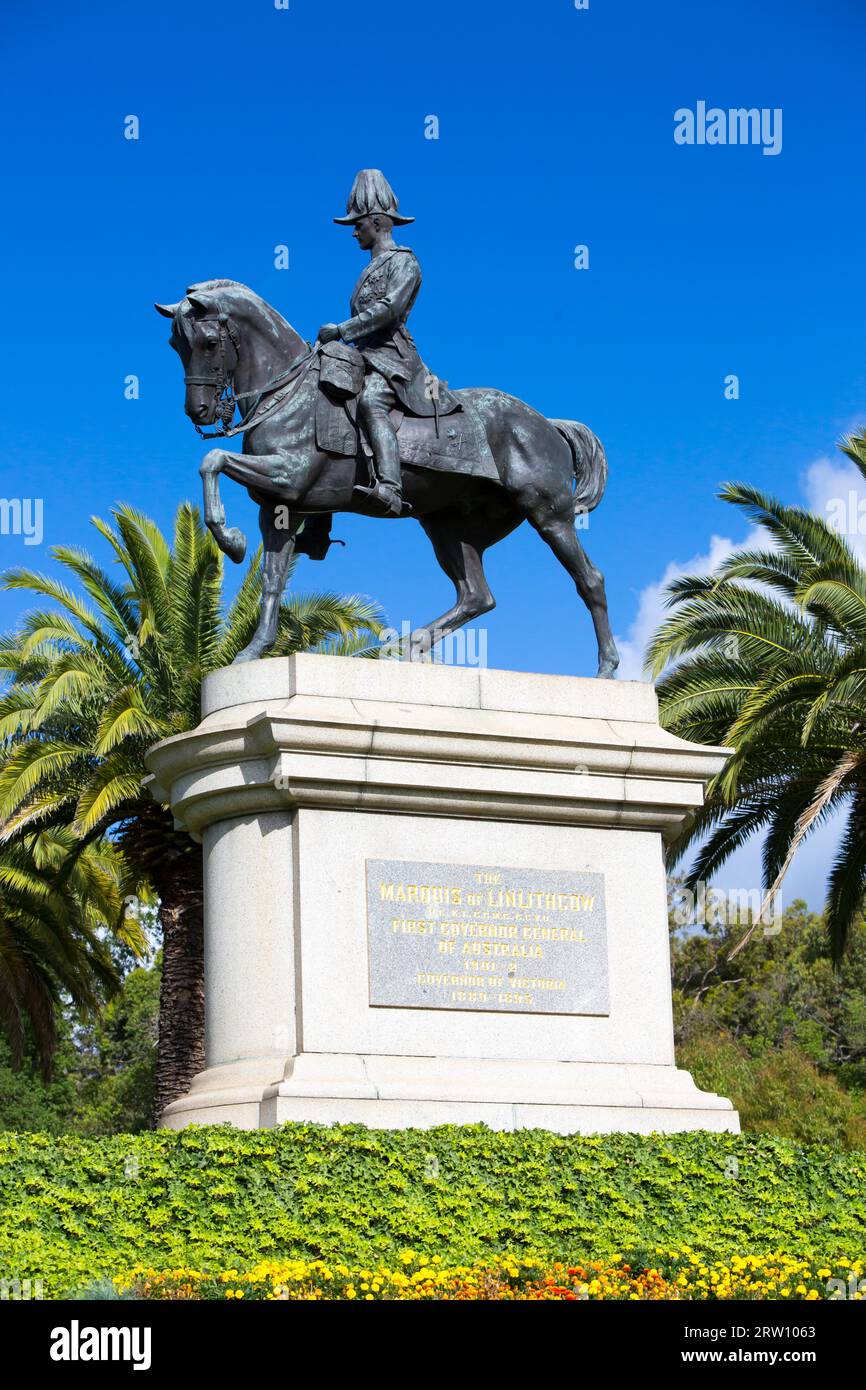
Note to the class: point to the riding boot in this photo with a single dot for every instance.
(314, 537)
(387, 491)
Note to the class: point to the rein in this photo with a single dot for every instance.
(229, 399)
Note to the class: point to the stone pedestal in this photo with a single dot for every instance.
(435, 895)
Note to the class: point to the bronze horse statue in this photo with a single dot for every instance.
(236, 348)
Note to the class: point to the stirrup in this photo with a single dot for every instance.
(387, 495)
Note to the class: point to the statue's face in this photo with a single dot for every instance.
(365, 232)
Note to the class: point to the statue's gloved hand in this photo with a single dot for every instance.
(328, 333)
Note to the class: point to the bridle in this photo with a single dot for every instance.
(222, 380)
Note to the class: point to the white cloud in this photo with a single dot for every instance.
(835, 491)
(651, 609)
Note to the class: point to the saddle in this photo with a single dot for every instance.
(455, 443)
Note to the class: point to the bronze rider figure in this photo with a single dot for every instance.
(394, 374)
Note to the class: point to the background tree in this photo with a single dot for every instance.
(780, 1029)
(103, 672)
(767, 655)
(102, 1081)
(59, 903)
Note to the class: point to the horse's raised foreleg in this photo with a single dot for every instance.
(279, 546)
(230, 539)
(270, 474)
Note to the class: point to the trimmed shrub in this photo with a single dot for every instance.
(73, 1211)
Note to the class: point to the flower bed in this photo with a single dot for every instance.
(677, 1275)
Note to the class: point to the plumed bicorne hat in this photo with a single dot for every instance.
(372, 193)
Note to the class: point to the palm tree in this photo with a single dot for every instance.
(60, 903)
(97, 677)
(769, 658)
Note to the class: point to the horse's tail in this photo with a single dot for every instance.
(589, 462)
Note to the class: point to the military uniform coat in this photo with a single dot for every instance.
(380, 305)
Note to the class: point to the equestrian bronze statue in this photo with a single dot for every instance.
(357, 423)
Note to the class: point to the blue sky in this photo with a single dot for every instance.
(555, 129)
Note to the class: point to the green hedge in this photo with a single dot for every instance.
(72, 1210)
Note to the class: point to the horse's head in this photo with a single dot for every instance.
(208, 343)
(231, 343)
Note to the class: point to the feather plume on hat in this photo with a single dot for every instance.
(371, 194)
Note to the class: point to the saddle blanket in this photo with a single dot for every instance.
(460, 447)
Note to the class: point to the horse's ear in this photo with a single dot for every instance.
(200, 301)
(168, 311)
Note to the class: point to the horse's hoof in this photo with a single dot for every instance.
(250, 653)
(235, 544)
(607, 668)
(419, 647)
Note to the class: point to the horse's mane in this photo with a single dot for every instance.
(218, 285)
(243, 293)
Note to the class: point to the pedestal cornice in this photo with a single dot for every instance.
(430, 740)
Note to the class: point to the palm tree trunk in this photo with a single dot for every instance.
(180, 1045)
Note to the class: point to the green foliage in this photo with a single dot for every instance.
(768, 656)
(781, 991)
(103, 1290)
(103, 1076)
(782, 1093)
(60, 902)
(116, 1060)
(73, 1211)
(29, 1101)
(776, 1028)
